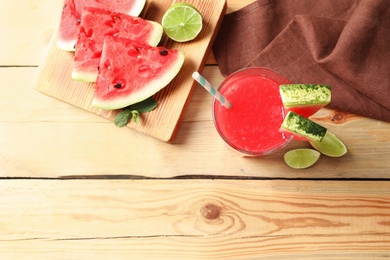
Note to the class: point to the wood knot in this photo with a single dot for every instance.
(210, 211)
(338, 117)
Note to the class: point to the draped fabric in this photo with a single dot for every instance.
(345, 44)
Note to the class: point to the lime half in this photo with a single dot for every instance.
(301, 158)
(330, 145)
(182, 22)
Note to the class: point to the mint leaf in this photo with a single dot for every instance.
(135, 115)
(123, 118)
(134, 111)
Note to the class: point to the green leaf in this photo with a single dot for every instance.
(135, 115)
(134, 111)
(123, 118)
(144, 106)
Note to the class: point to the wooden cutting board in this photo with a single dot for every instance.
(54, 78)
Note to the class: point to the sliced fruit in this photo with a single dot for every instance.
(302, 126)
(330, 145)
(96, 24)
(131, 72)
(301, 158)
(305, 99)
(182, 22)
(71, 17)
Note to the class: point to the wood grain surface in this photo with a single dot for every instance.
(55, 76)
(74, 186)
(198, 219)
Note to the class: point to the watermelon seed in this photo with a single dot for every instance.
(79, 20)
(118, 85)
(164, 52)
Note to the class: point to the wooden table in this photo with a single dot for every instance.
(74, 186)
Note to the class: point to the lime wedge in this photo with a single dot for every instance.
(301, 158)
(182, 22)
(330, 145)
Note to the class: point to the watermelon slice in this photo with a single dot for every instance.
(71, 17)
(303, 127)
(130, 72)
(96, 24)
(305, 99)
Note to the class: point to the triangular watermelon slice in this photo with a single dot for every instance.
(96, 24)
(302, 127)
(71, 17)
(305, 99)
(131, 72)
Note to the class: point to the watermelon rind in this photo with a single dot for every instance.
(303, 127)
(137, 8)
(155, 36)
(299, 95)
(84, 76)
(66, 45)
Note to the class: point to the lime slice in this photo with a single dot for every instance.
(182, 22)
(301, 158)
(330, 145)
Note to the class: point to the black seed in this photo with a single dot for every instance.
(118, 85)
(98, 68)
(78, 20)
(164, 52)
(74, 46)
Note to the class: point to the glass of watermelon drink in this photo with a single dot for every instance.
(251, 126)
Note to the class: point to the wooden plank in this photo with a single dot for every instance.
(64, 140)
(162, 123)
(197, 219)
(26, 29)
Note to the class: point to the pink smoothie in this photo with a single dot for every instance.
(252, 124)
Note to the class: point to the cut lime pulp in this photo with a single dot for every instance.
(330, 145)
(301, 158)
(182, 22)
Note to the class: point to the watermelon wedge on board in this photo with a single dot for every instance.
(71, 15)
(96, 24)
(131, 72)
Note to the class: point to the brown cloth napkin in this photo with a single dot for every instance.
(343, 43)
